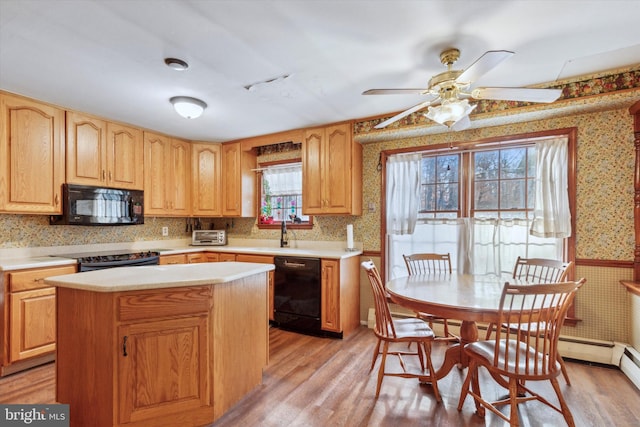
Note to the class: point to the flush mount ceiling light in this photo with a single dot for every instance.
(187, 107)
(176, 64)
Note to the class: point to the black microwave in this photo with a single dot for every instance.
(86, 205)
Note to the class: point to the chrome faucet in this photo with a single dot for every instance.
(284, 239)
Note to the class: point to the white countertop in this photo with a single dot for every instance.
(37, 257)
(158, 276)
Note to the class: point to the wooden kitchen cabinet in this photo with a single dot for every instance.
(193, 258)
(103, 154)
(239, 189)
(160, 357)
(262, 259)
(225, 257)
(179, 349)
(30, 314)
(206, 179)
(167, 179)
(173, 259)
(340, 295)
(331, 171)
(32, 156)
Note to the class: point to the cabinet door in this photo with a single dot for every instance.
(163, 368)
(125, 154)
(223, 257)
(196, 258)
(231, 196)
(337, 170)
(32, 156)
(156, 150)
(206, 179)
(238, 191)
(33, 323)
(330, 305)
(312, 165)
(212, 257)
(173, 259)
(179, 181)
(86, 150)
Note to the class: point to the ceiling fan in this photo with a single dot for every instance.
(449, 92)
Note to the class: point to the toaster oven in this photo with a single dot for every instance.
(209, 238)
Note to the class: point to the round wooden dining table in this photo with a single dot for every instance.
(463, 297)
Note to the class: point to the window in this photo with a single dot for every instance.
(504, 182)
(281, 195)
(478, 205)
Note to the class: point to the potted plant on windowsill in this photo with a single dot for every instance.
(266, 216)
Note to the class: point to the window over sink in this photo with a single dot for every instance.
(281, 195)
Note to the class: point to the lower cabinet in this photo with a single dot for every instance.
(163, 368)
(173, 259)
(160, 357)
(262, 259)
(29, 309)
(340, 295)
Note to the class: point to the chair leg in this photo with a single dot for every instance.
(564, 369)
(465, 385)
(385, 349)
(489, 330)
(376, 352)
(432, 372)
(513, 402)
(566, 413)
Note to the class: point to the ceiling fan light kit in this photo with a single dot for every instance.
(449, 91)
(188, 107)
(449, 112)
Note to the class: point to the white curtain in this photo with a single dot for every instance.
(552, 217)
(403, 192)
(476, 245)
(283, 180)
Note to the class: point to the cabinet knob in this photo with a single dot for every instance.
(104, 174)
(124, 346)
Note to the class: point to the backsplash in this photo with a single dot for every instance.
(26, 231)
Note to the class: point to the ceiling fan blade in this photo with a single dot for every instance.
(395, 91)
(461, 124)
(404, 114)
(516, 94)
(484, 64)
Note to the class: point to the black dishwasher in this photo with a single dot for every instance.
(296, 294)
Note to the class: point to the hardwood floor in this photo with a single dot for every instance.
(326, 382)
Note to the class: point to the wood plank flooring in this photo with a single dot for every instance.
(314, 381)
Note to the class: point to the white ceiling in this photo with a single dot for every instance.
(107, 57)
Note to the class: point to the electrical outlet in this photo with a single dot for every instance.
(165, 231)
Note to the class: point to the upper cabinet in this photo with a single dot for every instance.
(331, 171)
(206, 176)
(239, 178)
(32, 154)
(166, 176)
(103, 154)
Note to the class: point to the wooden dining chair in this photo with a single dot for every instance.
(431, 263)
(389, 330)
(539, 270)
(512, 358)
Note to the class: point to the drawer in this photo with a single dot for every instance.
(163, 303)
(34, 279)
(260, 259)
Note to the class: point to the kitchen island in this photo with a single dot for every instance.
(160, 345)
